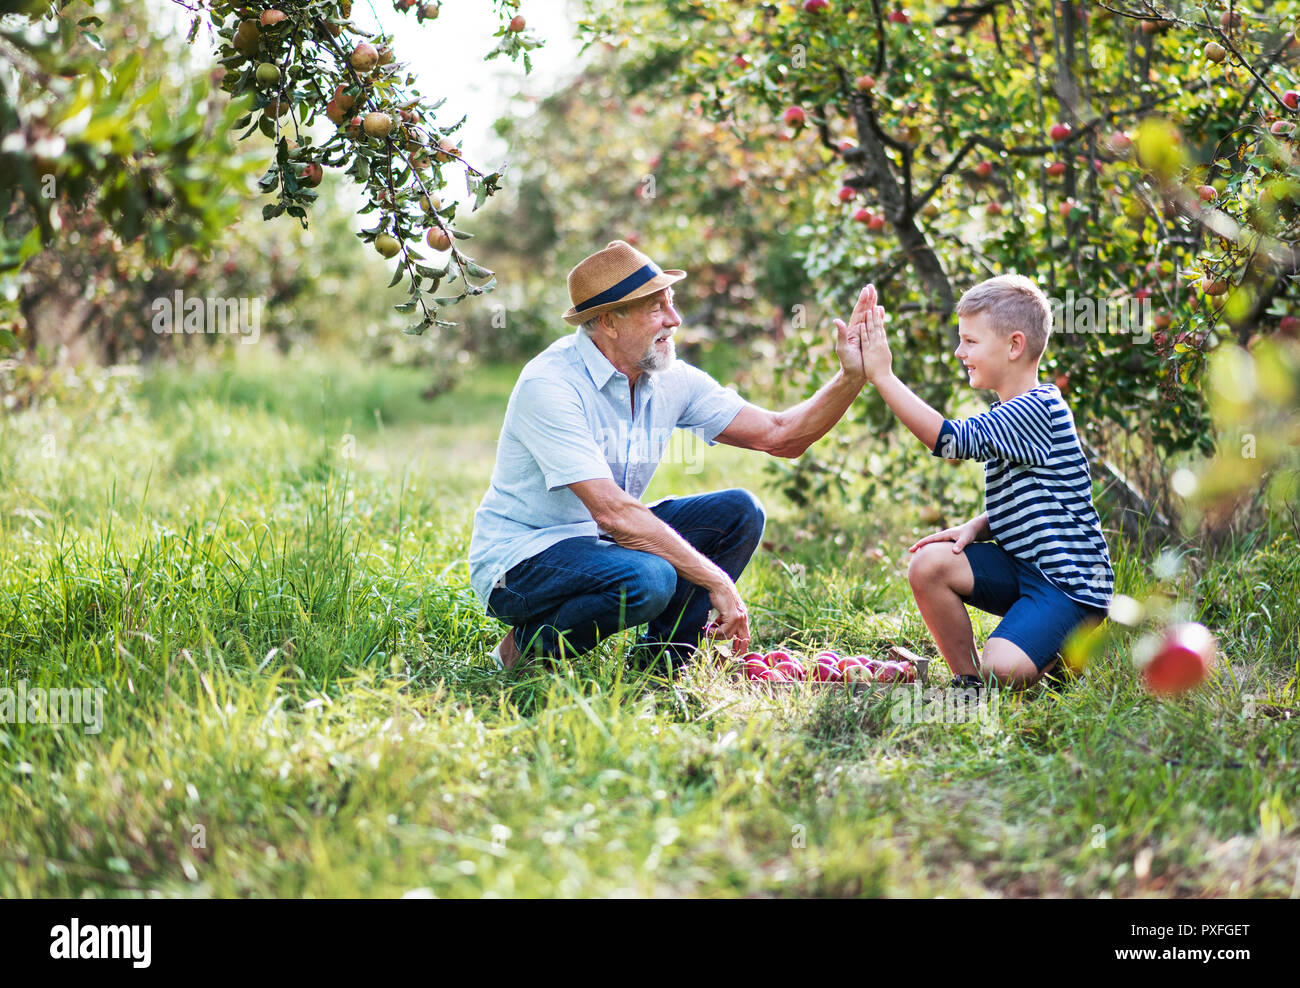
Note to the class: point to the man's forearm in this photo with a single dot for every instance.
(634, 526)
(801, 426)
(922, 420)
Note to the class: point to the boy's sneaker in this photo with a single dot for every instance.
(966, 683)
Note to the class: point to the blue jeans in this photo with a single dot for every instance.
(588, 588)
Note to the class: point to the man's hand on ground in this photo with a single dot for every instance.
(732, 623)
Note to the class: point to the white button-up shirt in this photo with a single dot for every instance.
(571, 418)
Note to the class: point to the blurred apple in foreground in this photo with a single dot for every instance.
(1182, 661)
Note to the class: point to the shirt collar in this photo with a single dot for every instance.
(598, 365)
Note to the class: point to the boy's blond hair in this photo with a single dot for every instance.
(1013, 304)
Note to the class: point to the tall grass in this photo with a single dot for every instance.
(263, 567)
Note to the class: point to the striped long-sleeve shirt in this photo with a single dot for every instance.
(1038, 491)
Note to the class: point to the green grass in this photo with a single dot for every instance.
(263, 566)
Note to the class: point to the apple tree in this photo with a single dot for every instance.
(1125, 152)
(167, 174)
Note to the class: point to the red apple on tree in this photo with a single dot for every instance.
(438, 238)
(365, 56)
(1208, 193)
(899, 17)
(1288, 325)
(517, 23)
(877, 222)
(862, 215)
(1056, 169)
(1060, 131)
(777, 655)
(846, 193)
(815, 6)
(794, 116)
(984, 169)
(312, 174)
(1291, 99)
(865, 83)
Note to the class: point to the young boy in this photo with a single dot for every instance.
(1048, 569)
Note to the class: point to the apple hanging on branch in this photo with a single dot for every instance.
(295, 62)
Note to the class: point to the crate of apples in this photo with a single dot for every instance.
(780, 666)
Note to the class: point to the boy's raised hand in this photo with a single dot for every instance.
(848, 343)
(876, 358)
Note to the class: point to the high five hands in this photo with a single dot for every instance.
(862, 346)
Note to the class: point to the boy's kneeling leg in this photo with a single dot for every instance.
(1004, 663)
(940, 578)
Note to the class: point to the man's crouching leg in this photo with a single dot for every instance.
(724, 526)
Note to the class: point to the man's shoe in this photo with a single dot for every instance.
(506, 654)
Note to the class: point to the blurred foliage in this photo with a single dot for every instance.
(117, 166)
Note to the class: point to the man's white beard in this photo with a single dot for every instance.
(653, 362)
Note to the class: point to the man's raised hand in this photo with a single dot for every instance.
(848, 342)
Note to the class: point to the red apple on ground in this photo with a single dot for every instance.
(755, 668)
(891, 672)
(859, 674)
(777, 655)
(826, 672)
(791, 670)
(1183, 660)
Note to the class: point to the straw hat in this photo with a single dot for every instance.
(612, 277)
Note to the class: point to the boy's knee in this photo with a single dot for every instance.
(930, 566)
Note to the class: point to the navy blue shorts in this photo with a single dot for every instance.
(1037, 615)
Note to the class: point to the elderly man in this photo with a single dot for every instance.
(563, 549)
